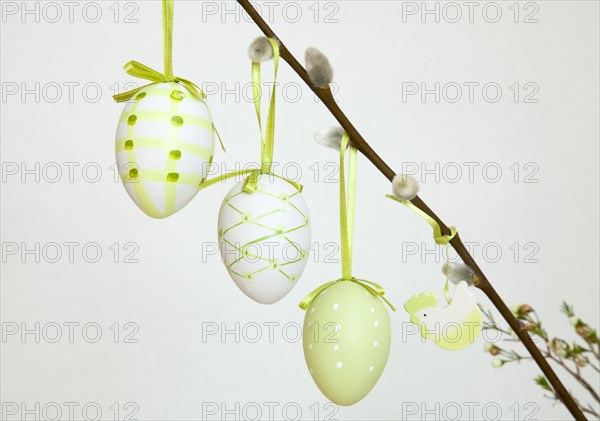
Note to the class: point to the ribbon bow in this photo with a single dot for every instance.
(347, 228)
(372, 287)
(142, 71)
(251, 180)
(137, 69)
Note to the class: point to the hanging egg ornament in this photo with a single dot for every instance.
(264, 237)
(346, 340)
(454, 327)
(164, 146)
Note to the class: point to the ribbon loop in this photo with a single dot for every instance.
(306, 301)
(192, 87)
(268, 137)
(437, 230)
(250, 185)
(438, 237)
(374, 289)
(249, 174)
(139, 70)
(347, 202)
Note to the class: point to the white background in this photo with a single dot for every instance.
(175, 291)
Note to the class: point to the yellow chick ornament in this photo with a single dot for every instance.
(454, 327)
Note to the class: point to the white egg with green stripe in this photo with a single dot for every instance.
(164, 146)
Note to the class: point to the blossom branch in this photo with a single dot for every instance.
(573, 358)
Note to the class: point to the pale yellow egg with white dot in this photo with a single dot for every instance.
(346, 340)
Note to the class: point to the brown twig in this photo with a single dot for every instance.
(577, 375)
(556, 350)
(325, 95)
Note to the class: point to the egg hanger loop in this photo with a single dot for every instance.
(267, 139)
(347, 205)
(137, 69)
(439, 238)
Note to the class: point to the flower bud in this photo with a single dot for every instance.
(330, 137)
(260, 50)
(318, 68)
(457, 272)
(497, 363)
(405, 187)
(525, 309)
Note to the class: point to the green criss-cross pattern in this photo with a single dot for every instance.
(242, 250)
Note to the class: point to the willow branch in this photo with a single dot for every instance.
(325, 95)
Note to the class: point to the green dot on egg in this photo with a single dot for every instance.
(177, 95)
(129, 144)
(141, 96)
(175, 154)
(177, 121)
(173, 177)
(132, 119)
(133, 173)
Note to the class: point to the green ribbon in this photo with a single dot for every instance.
(267, 139)
(139, 70)
(142, 71)
(439, 238)
(372, 287)
(168, 8)
(253, 173)
(347, 202)
(437, 230)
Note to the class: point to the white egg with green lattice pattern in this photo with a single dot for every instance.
(164, 146)
(264, 238)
